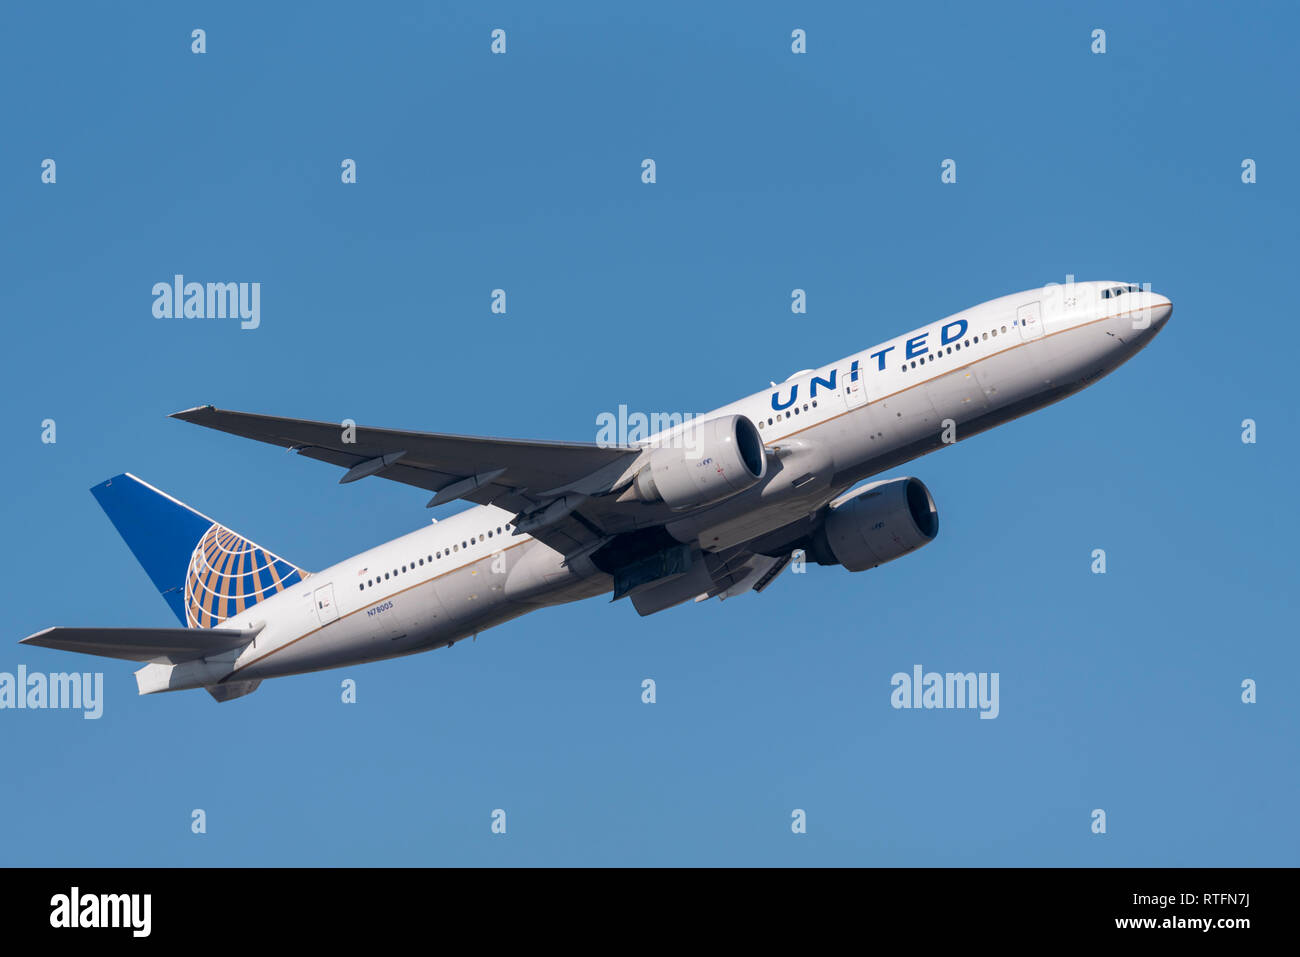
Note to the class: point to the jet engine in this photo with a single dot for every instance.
(876, 524)
(702, 463)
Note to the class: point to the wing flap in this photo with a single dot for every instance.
(172, 645)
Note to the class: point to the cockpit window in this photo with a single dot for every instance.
(1114, 291)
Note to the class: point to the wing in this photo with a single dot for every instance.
(559, 491)
(547, 484)
(172, 645)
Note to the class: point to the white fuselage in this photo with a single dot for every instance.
(833, 427)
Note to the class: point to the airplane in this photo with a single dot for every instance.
(714, 506)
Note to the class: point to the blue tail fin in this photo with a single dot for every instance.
(206, 572)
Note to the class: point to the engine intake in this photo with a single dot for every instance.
(704, 463)
(880, 522)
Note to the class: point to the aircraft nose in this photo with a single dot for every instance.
(1153, 312)
(1161, 310)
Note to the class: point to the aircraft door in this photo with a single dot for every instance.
(1029, 319)
(854, 389)
(326, 610)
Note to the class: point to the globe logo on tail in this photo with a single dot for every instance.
(228, 573)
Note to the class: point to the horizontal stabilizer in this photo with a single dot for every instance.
(172, 645)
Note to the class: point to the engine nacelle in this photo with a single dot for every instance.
(715, 459)
(881, 522)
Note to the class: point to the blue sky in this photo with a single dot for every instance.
(775, 171)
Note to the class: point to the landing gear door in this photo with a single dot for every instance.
(1029, 318)
(326, 610)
